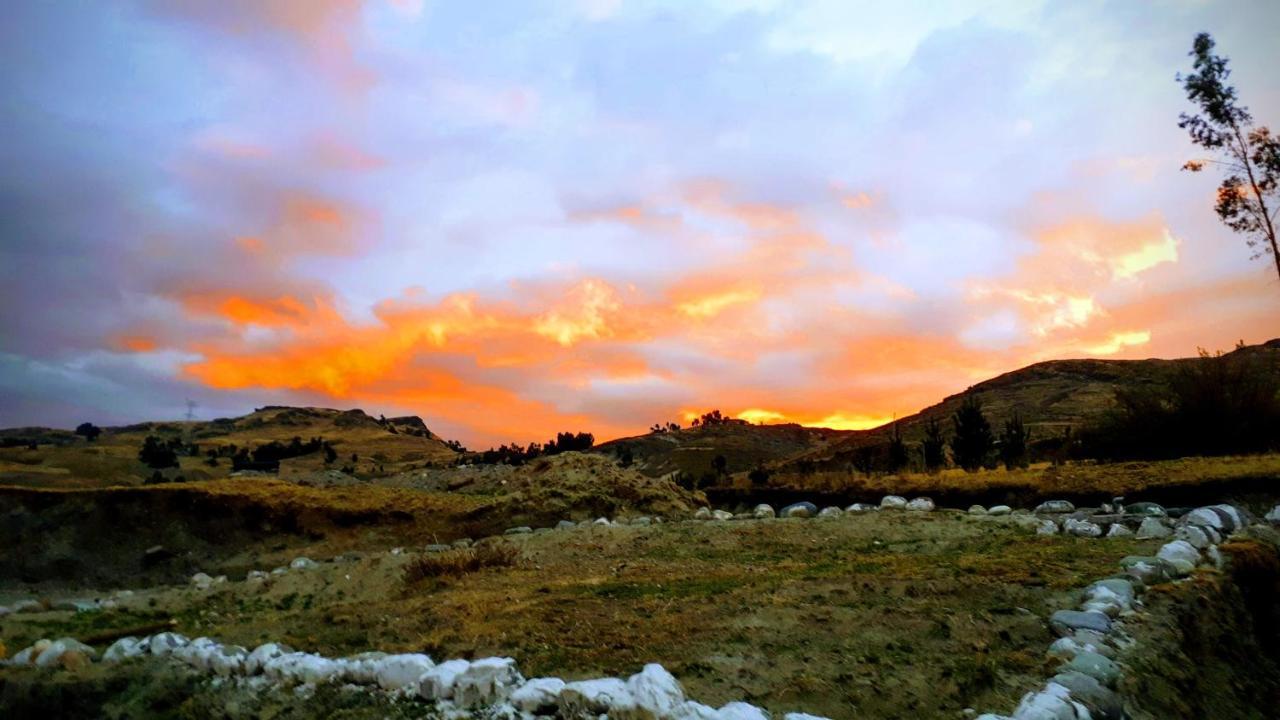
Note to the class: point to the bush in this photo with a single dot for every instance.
(88, 431)
(1220, 404)
(156, 454)
(460, 562)
(973, 438)
(935, 446)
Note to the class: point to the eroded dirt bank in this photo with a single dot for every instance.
(1210, 647)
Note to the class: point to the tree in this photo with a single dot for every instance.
(1013, 443)
(156, 454)
(758, 476)
(973, 438)
(1250, 155)
(897, 450)
(626, 457)
(89, 431)
(720, 464)
(934, 446)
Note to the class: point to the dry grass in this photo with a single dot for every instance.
(463, 561)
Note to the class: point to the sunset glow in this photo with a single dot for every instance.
(792, 212)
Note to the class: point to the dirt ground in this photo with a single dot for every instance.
(885, 615)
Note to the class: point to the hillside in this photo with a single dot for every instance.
(364, 445)
(1050, 397)
(692, 450)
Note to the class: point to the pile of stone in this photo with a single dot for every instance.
(488, 687)
(1084, 687)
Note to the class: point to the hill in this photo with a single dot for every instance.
(1050, 397)
(364, 445)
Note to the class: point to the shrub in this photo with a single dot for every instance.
(156, 454)
(460, 562)
(935, 446)
(973, 438)
(88, 431)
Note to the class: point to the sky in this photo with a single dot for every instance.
(516, 218)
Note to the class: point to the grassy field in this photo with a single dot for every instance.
(883, 615)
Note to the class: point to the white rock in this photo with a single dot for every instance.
(977, 510)
(1181, 555)
(438, 682)
(123, 649)
(1081, 528)
(893, 502)
(1273, 516)
(922, 504)
(1196, 536)
(56, 649)
(860, 508)
(1118, 530)
(1205, 517)
(830, 512)
(703, 513)
(165, 643)
(803, 716)
(201, 580)
(999, 510)
(396, 672)
(228, 660)
(591, 698)
(4, 610)
(488, 681)
(741, 711)
(601, 521)
(1055, 506)
(279, 571)
(256, 576)
(655, 691)
(27, 655)
(537, 696)
(362, 667)
(1052, 703)
(302, 563)
(763, 512)
(195, 653)
(690, 710)
(1046, 527)
(1153, 528)
(258, 659)
(721, 515)
(1237, 518)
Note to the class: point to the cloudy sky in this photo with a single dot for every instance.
(513, 218)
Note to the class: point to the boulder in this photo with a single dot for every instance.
(1180, 555)
(921, 504)
(27, 655)
(1102, 702)
(302, 563)
(56, 653)
(439, 682)
(702, 514)
(690, 710)
(999, 510)
(519, 530)
(763, 512)
(165, 643)
(860, 508)
(1081, 528)
(721, 515)
(893, 502)
(741, 711)
(1066, 622)
(799, 510)
(397, 672)
(977, 510)
(1148, 570)
(488, 681)
(1153, 528)
(1052, 703)
(642, 521)
(1146, 509)
(830, 512)
(1118, 530)
(655, 691)
(601, 521)
(1206, 517)
(1096, 666)
(1046, 527)
(123, 649)
(201, 580)
(537, 696)
(258, 659)
(566, 525)
(362, 668)
(302, 668)
(1055, 506)
(1194, 535)
(1273, 515)
(592, 698)
(227, 660)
